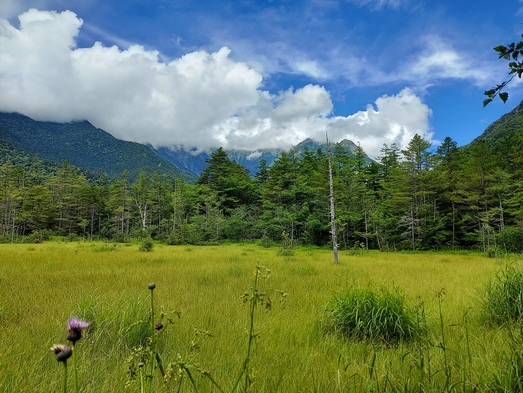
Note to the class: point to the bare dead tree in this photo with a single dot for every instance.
(332, 212)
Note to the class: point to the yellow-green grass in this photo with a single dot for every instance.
(43, 285)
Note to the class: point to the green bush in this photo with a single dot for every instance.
(511, 239)
(287, 245)
(503, 297)
(381, 316)
(147, 245)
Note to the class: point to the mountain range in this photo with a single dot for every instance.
(93, 150)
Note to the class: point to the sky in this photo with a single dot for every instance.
(252, 74)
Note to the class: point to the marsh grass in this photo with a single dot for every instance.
(43, 287)
(503, 296)
(380, 315)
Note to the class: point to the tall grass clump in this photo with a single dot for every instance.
(379, 315)
(147, 245)
(503, 297)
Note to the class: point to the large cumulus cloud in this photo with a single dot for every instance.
(202, 99)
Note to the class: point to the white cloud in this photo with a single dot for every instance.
(379, 4)
(202, 99)
(254, 155)
(439, 61)
(311, 68)
(396, 119)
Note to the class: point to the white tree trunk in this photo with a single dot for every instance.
(333, 214)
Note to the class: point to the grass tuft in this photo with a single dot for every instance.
(377, 315)
(503, 297)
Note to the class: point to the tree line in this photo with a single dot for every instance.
(419, 198)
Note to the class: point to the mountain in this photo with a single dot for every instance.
(251, 159)
(313, 146)
(84, 146)
(506, 124)
(194, 161)
(92, 149)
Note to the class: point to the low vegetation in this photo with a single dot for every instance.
(503, 299)
(380, 315)
(199, 297)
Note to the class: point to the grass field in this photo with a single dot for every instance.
(42, 285)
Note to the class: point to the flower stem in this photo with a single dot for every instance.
(65, 377)
(141, 381)
(152, 348)
(75, 369)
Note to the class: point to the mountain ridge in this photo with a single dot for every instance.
(83, 145)
(87, 147)
(506, 124)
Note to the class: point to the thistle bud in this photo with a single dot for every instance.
(62, 352)
(151, 286)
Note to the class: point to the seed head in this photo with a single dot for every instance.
(158, 326)
(74, 329)
(62, 352)
(151, 286)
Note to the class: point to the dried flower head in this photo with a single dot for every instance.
(158, 326)
(74, 329)
(62, 352)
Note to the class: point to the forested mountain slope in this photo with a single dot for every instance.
(92, 149)
(511, 122)
(84, 146)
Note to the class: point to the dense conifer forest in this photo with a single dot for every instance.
(420, 198)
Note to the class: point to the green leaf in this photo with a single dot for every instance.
(486, 102)
(503, 96)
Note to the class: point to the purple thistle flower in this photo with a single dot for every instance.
(74, 329)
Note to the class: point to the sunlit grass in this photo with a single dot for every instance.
(43, 285)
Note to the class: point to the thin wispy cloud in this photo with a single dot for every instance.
(380, 4)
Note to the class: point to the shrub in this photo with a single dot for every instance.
(381, 316)
(287, 245)
(147, 245)
(503, 297)
(266, 241)
(511, 239)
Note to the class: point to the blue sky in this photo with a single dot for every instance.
(259, 74)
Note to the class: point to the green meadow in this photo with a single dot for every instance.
(200, 290)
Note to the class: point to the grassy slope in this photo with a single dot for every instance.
(43, 285)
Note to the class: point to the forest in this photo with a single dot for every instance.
(420, 198)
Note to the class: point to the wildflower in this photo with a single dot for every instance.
(62, 352)
(74, 329)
